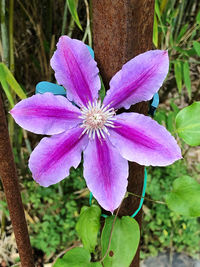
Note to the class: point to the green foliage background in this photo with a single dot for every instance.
(163, 228)
(54, 211)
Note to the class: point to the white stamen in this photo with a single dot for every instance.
(93, 135)
(96, 118)
(101, 131)
(90, 132)
(98, 134)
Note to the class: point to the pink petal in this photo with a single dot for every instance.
(46, 114)
(106, 173)
(138, 80)
(139, 138)
(76, 70)
(52, 159)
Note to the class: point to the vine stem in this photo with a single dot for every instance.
(111, 232)
(72, 23)
(64, 23)
(11, 63)
(146, 198)
(11, 40)
(88, 29)
(4, 34)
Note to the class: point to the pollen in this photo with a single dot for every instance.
(97, 118)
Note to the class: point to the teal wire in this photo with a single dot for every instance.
(90, 199)
(141, 200)
(143, 194)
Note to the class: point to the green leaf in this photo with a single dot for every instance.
(186, 77)
(102, 91)
(182, 32)
(198, 17)
(76, 257)
(95, 264)
(124, 242)
(178, 74)
(73, 10)
(161, 117)
(12, 82)
(191, 52)
(181, 51)
(185, 197)
(5, 86)
(155, 31)
(157, 10)
(88, 226)
(174, 107)
(188, 124)
(163, 5)
(170, 121)
(196, 46)
(158, 14)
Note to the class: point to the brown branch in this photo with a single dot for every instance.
(10, 183)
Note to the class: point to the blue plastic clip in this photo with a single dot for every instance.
(154, 104)
(91, 51)
(44, 87)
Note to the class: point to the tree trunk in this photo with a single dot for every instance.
(123, 29)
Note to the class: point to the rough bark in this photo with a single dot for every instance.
(123, 29)
(10, 183)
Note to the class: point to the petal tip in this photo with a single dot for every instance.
(179, 156)
(112, 211)
(62, 38)
(43, 184)
(166, 54)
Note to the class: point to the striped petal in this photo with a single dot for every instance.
(106, 173)
(140, 139)
(46, 114)
(52, 159)
(76, 70)
(138, 80)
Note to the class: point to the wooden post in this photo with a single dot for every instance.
(10, 183)
(123, 29)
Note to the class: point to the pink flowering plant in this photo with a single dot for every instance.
(108, 140)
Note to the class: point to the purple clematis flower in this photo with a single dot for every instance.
(108, 140)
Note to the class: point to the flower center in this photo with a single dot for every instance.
(96, 118)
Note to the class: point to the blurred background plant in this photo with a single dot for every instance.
(29, 32)
(177, 28)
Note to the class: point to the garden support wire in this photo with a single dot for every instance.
(123, 29)
(10, 183)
